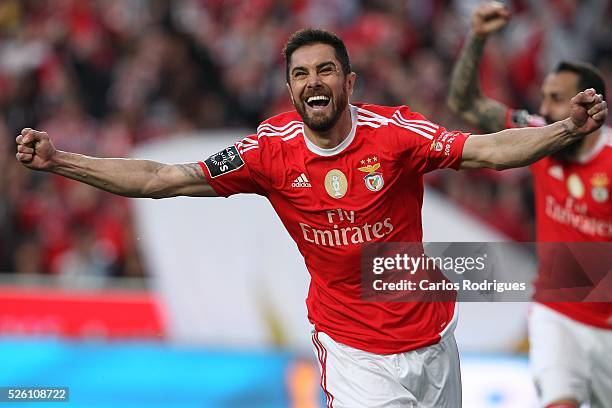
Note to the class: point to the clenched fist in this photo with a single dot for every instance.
(489, 17)
(589, 111)
(35, 150)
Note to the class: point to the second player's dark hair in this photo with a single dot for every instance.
(309, 36)
(588, 75)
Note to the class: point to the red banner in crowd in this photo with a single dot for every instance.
(101, 314)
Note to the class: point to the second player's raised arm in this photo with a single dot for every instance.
(465, 97)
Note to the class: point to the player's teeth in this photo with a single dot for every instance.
(317, 98)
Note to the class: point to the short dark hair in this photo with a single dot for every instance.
(588, 75)
(309, 36)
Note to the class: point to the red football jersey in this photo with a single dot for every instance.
(573, 204)
(367, 189)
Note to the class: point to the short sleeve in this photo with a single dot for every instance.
(445, 150)
(237, 169)
(428, 146)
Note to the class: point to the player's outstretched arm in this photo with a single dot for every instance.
(465, 97)
(126, 177)
(521, 147)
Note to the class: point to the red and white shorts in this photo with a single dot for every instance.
(425, 378)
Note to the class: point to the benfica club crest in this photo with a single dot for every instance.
(599, 187)
(374, 180)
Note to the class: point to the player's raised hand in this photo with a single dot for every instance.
(34, 149)
(489, 17)
(589, 111)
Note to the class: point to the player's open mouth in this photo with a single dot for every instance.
(318, 102)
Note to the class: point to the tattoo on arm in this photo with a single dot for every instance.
(567, 130)
(464, 86)
(192, 170)
(465, 96)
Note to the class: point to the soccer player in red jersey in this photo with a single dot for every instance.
(341, 175)
(571, 342)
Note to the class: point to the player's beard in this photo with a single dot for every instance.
(568, 153)
(320, 122)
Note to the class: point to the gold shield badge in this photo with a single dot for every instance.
(575, 186)
(336, 184)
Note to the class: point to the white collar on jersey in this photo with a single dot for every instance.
(602, 140)
(345, 143)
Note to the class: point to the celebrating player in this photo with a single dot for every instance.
(571, 342)
(340, 175)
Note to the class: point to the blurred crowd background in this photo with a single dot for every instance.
(102, 76)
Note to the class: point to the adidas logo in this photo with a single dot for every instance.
(301, 181)
(556, 172)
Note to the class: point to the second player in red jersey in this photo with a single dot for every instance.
(570, 337)
(573, 204)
